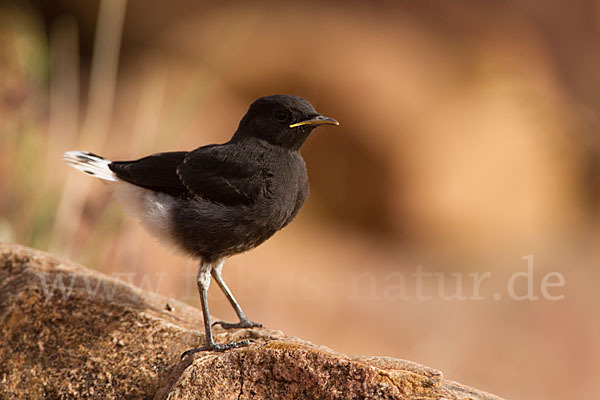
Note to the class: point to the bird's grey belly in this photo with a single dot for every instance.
(199, 227)
(152, 208)
(213, 231)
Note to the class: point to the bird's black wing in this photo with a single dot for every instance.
(225, 174)
(157, 172)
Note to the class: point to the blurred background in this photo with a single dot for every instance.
(469, 139)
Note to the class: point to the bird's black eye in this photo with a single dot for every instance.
(281, 115)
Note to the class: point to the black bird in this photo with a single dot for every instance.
(221, 199)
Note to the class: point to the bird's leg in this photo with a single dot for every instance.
(203, 280)
(244, 321)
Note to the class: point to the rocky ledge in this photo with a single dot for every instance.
(97, 337)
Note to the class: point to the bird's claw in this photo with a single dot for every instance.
(217, 347)
(245, 323)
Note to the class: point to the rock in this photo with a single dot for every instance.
(70, 332)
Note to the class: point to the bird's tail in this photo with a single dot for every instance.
(90, 163)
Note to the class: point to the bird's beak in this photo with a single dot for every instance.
(318, 120)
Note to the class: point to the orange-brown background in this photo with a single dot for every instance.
(468, 139)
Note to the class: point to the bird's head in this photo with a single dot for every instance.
(282, 120)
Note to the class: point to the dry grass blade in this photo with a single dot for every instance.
(97, 118)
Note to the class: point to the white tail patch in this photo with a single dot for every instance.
(90, 164)
(152, 208)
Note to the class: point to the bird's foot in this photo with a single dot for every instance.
(217, 347)
(244, 323)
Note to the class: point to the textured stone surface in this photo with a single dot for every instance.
(102, 338)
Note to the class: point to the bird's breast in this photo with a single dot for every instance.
(287, 190)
